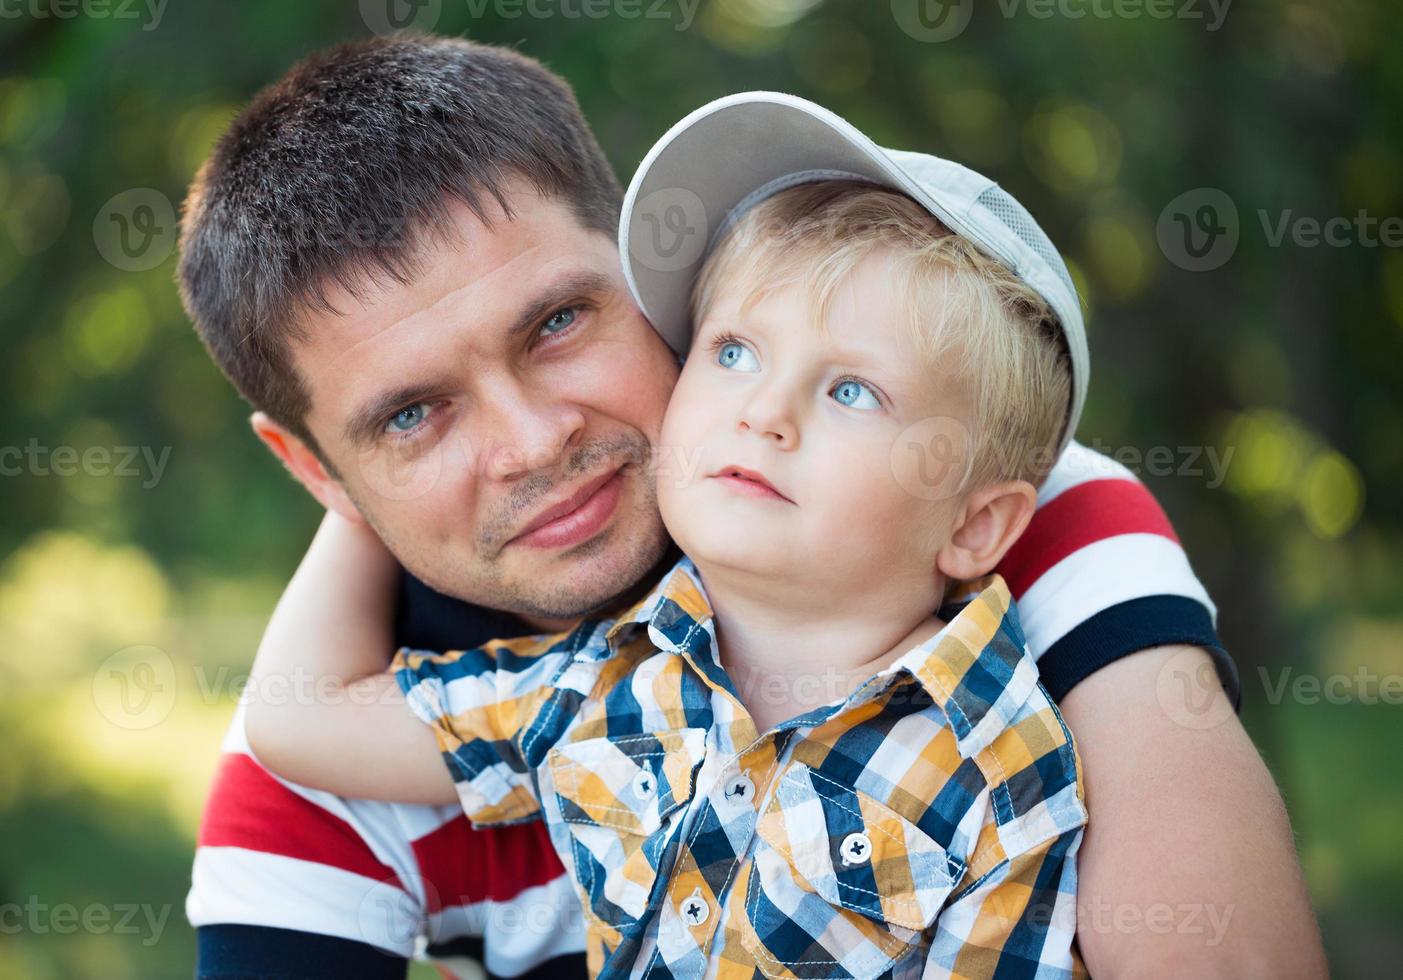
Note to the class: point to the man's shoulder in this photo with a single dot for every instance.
(1091, 512)
(271, 853)
(1099, 574)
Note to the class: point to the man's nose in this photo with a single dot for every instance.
(528, 430)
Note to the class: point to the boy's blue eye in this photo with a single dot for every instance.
(558, 321)
(855, 394)
(737, 357)
(408, 419)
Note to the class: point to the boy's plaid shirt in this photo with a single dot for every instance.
(926, 826)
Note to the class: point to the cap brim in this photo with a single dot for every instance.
(718, 161)
(702, 169)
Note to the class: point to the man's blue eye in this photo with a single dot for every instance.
(737, 357)
(408, 419)
(558, 321)
(855, 394)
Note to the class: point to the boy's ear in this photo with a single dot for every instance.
(304, 466)
(994, 517)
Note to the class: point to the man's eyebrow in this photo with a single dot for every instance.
(364, 424)
(558, 294)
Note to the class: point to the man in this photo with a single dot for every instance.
(403, 256)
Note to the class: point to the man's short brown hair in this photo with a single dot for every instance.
(342, 171)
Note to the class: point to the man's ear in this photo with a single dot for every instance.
(305, 467)
(993, 518)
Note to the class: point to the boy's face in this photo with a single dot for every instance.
(818, 415)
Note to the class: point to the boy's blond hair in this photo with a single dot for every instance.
(1012, 354)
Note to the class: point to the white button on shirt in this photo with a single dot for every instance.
(694, 909)
(740, 791)
(645, 785)
(855, 849)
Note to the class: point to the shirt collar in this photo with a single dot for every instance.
(976, 669)
(676, 613)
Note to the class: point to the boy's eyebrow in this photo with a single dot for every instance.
(360, 429)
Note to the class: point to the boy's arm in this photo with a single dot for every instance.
(1189, 867)
(321, 709)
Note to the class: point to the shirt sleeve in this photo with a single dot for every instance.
(1099, 574)
(276, 855)
(478, 702)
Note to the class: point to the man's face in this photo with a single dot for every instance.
(494, 418)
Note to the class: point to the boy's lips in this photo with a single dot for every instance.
(576, 518)
(749, 482)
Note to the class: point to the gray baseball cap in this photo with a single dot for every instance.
(733, 153)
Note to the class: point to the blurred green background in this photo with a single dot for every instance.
(1286, 355)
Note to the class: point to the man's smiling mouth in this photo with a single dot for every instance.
(577, 517)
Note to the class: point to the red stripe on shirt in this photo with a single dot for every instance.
(1082, 515)
(466, 866)
(248, 808)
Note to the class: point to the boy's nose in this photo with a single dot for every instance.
(767, 417)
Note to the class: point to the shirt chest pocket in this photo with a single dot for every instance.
(842, 885)
(622, 800)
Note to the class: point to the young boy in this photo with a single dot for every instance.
(777, 761)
